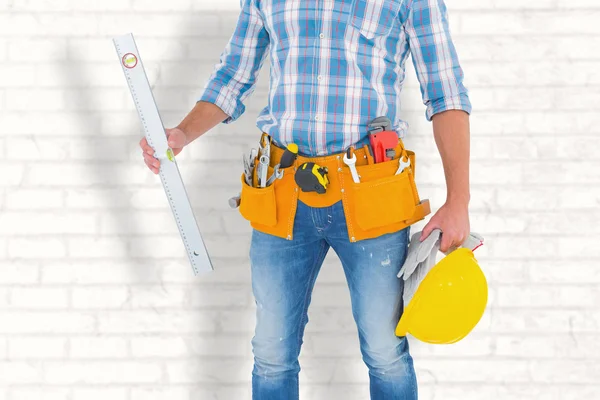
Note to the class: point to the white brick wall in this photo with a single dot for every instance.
(96, 297)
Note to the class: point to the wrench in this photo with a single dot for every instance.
(277, 174)
(265, 145)
(379, 124)
(351, 163)
(248, 169)
(263, 166)
(253, 154)
(403, 164)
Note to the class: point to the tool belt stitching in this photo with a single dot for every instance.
(345, 204)
(375, 184)
(262, 193)
(290, 225)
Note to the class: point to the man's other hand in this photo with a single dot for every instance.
(453, 220)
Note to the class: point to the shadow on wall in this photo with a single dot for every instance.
(104, 165)
(203, 329)
(110, 168)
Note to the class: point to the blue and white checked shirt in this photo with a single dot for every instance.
(336, 65)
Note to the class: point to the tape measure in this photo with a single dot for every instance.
(155, 135)
(311, 177)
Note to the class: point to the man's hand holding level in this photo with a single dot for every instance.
(176, 140)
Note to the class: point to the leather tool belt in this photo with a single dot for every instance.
(383, 202)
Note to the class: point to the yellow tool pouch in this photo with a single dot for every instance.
(271, 209)
(382, 202)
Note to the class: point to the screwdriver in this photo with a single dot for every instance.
(289, 156)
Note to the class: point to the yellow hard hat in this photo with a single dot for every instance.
(448, 303)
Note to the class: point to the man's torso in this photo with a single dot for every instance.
(335, 65)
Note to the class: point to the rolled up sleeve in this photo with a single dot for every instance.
(435, 59)
(234, 77)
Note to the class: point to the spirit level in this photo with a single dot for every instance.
(141, 92)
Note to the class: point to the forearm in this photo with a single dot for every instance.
(452, 137)
(233, 78)
(203, 117)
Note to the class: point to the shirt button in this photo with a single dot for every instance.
(317, 118)
(319, 77)
(322, 35)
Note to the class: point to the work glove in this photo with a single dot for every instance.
(422, 257)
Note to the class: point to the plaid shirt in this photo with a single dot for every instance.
(335, 65)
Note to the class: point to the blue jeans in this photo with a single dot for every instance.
(283, 276)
